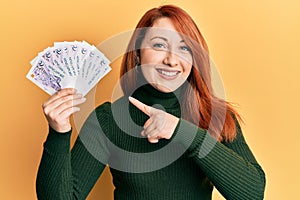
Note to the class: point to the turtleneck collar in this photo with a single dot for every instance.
(153, 97)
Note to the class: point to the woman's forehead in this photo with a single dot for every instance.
(163, 33)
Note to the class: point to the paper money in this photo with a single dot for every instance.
(68, 64)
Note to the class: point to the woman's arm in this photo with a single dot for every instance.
(231, 167)
(65, 174)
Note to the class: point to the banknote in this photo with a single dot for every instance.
(75, 64)
(43, 76)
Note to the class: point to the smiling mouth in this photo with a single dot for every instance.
(168, 73)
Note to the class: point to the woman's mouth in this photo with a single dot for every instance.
(168, 74)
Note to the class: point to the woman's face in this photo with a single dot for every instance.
(166, 61)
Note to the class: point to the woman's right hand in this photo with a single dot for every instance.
(60, 106)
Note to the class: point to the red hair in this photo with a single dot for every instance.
(215, 115)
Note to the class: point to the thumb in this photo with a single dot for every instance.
(141, 106)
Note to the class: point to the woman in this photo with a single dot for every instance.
(168, 137)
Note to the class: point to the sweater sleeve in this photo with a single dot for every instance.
(231, 167)
(65, 174)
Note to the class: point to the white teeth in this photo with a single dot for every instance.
(168, 73)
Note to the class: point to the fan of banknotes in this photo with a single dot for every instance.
(68, 64)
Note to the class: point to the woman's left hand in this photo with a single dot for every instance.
(160, 124)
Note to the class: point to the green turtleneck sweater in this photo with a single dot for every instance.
(186, 167)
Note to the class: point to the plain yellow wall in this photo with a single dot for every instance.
(254, 43)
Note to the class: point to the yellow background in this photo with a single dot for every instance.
(254, 43)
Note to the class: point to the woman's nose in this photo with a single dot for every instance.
(171, 59)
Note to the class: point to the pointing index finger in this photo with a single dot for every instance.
(141, 106)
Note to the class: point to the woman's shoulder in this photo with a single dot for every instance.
(104, 107)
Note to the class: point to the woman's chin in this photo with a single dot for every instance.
(166, 88)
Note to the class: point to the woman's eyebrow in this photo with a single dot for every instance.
(163, 38)
(159, 37)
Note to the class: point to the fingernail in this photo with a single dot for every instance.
(153, 140)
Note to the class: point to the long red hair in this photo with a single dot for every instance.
(215, 114)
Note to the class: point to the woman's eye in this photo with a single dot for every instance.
(185, 48)
(159, 45)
